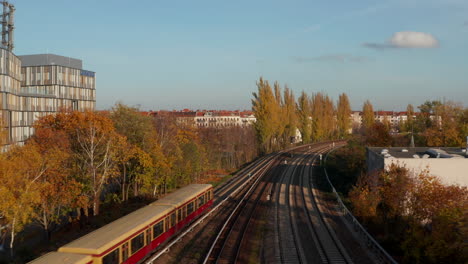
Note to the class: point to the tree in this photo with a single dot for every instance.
(290, 117)
(22, 168)
(129, 122)
(304, 117)
(92, 140)
(409, 125)
(317, 111)
(445, 130)
(323, 117)
(368, 118)
(267, 113)
(378, 135)
(343, 115)
(59, 192)
(437, 227)
(142, 155)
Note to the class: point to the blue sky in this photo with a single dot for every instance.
(209, 54)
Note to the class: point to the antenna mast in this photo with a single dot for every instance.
(8, 26)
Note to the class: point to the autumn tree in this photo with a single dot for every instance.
(316, 106)
(267, 112)
(437, 228)
(323, 117)
(304, 117)
(92, 139)
(445, 129)
(368, 118)
(55, 201)
(378, 135)
(343, 115)
(424, 218)
(408, 125)
(289, 114)
(22, 168)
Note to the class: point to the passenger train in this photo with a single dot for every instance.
(131, 238)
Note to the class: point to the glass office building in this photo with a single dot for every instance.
(33, 86)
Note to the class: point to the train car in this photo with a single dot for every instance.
(132, 237)
(63, 258)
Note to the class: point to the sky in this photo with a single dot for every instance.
(209, 54)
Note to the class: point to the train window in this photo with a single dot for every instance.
(190, 208)
(124, 251)
(184, 212)
(112, 258)
(157, 229)
(173, 219)
(179, 215)
(201, 200)
(138, 242)
(148, 236)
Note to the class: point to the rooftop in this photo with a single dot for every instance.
(419, 152)
(50, 59)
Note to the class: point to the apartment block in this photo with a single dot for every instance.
(33, 86)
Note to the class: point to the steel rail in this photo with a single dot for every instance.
(200, 220)
(335, 254)
(313, 232)
(233, 212)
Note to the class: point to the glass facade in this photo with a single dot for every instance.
(28, 93)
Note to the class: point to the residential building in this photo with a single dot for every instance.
(210, 118)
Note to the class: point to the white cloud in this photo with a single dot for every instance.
(410, 39)
(407, 39)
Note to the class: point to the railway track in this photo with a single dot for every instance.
(330, 248)
(230, 242)
(234, 234)
(289, 195)
(243, 207)
(292, 241)
(224, 200)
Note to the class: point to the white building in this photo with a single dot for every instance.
(450, 165)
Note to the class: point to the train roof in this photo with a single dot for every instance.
(62, 258)
(183, 195)
(102, 239)
(121, 229)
